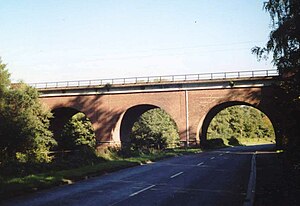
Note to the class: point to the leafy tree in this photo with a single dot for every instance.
(24, 123)
(220, 125)
(4, 84)
(77, 132)
(4, 78)
(284, 43)
(284, 40)
(155, 129)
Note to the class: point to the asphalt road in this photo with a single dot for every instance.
(218, 177)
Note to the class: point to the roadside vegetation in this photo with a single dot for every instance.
(239, 125)
(67, 172)
(24, 123)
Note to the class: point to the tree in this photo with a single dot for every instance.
(284, 43)
(24, 123)
(4, 84)
(284, 40)
(4, 78)
(155, 129)
(219, 126)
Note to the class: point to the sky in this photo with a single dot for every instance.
(57, 40)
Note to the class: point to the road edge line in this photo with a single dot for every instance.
(249, 201)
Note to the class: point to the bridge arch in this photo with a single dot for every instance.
(206, 120)
(128, 118)
(61, 115)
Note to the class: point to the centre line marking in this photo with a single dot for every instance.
(179, 173)
(212, 158)
(147, 188)
(220, 154)
(201, 163)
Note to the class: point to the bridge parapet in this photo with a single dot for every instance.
(157, 79)
(187, 82)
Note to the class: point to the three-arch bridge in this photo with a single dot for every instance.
(113, 105)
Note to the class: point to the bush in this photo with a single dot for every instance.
(77, 132)
(214, 143)
(234, 141)
(154, 130)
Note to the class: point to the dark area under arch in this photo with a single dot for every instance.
(60, 117)
(129, 118)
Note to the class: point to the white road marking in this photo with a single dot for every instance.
(201, 163)
(147, 188)
(220, 154)
(212, 158)
(179, 173)
(251, 184)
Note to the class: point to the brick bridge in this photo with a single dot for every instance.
(113, 105)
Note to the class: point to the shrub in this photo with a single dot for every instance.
(77, 132)
(154, 130)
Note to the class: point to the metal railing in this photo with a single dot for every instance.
(157, 79)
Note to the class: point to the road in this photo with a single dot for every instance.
(217, 177)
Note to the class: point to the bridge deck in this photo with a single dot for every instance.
(169, 79)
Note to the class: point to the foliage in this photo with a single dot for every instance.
(4, 84)
(284, 43)
(238, 122)
(24, 134)
(77, 132)
(24, 125)
(4, 78)
(155, 129)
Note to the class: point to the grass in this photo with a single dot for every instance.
(215, 143)
(256, 141)
(19, 185)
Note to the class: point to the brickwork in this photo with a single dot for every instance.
(106, 110)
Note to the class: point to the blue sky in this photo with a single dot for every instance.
(54, 40)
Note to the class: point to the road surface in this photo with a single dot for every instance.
(217, 177)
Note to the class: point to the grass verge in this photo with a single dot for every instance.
(277, 181)
(13, 186)
(216, 143)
